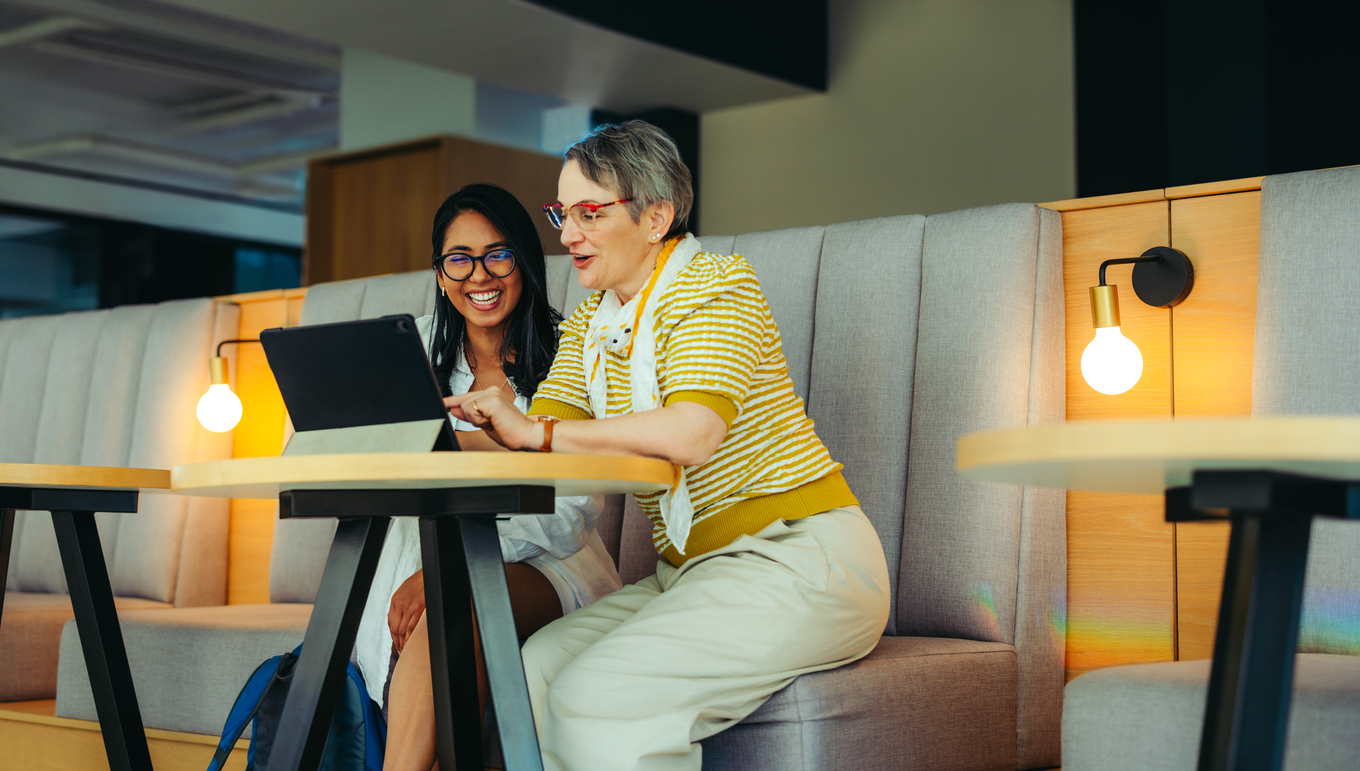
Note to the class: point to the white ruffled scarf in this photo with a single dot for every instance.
(629, 330)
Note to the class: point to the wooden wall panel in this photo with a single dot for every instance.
(1215, 328)
(530, 177)
(1120, 564)
(370, 212)
(1213, 336)
(382, 209)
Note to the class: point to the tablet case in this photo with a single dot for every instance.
(358, 386)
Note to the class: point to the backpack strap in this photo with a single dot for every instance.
(245, 707)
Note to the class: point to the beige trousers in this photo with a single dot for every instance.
(638, 678)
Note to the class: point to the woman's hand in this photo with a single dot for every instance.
(490, 411)
(408, 602)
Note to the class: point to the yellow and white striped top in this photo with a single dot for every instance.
(717, 345)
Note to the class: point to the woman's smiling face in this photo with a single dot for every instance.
(483, 299)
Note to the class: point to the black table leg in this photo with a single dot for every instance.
(1247, 712)
(101, 640)
(320, 671)
(6, 540)
(500, 644)
(453, 658)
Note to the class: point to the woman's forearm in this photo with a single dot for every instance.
(685, 433)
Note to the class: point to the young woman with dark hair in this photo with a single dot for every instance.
(492, 328)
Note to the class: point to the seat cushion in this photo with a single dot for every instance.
(914, 702)
(1149, 716)
(188, 663)
(30, 632)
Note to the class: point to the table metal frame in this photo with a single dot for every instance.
(87, 578)
(1247, 713)
(461, 556)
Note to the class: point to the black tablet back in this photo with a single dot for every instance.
(356, 373)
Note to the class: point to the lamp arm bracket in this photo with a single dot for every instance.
(1163, 279)
(1108, 263)
(224, 342)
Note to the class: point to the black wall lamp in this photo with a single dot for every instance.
(1162, 278)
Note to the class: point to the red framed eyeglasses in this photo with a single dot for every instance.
(585, 214)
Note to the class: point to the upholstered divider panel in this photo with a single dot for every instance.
(61, 422)
(411, 293)
(575, 294)
(1307, 361)
(118, 367)
(863, 360)
(22, 387)
(718, 244)
(961, 540)
(1041, 594)
(558, 271)
(786, 261)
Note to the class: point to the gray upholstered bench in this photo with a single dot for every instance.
(901, 333)
(1149, 716)
(109, 388)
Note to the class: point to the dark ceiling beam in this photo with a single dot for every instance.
(785, 40)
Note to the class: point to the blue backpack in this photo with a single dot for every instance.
(357, 737)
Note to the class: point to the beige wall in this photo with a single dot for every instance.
(934, 105)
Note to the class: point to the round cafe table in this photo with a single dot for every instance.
(1269, 477)
(458, 496)
(73, 494)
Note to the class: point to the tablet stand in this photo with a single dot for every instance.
(411, 436)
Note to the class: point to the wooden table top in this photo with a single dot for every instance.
(1148, 456)
(82, 477)
(570, 474)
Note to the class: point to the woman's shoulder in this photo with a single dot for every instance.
(579, 320)
(708, 275)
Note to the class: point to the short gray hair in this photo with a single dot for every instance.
(642, 162)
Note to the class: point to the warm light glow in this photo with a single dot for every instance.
(219, 409)
(1111, 363)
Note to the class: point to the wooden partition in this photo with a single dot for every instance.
(369, 212)
(1139, 588)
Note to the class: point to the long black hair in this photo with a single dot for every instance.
(530, 341)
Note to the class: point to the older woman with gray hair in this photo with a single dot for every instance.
(768, 569)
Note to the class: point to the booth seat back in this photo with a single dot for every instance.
(119, 387)
(1307, 361)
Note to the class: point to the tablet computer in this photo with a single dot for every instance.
(356, 373)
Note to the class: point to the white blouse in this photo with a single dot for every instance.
(564, 546)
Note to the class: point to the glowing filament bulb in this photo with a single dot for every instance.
(219, 409)
(1111, 362)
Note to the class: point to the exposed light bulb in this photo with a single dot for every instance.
(219, 409)
(1111, 362)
